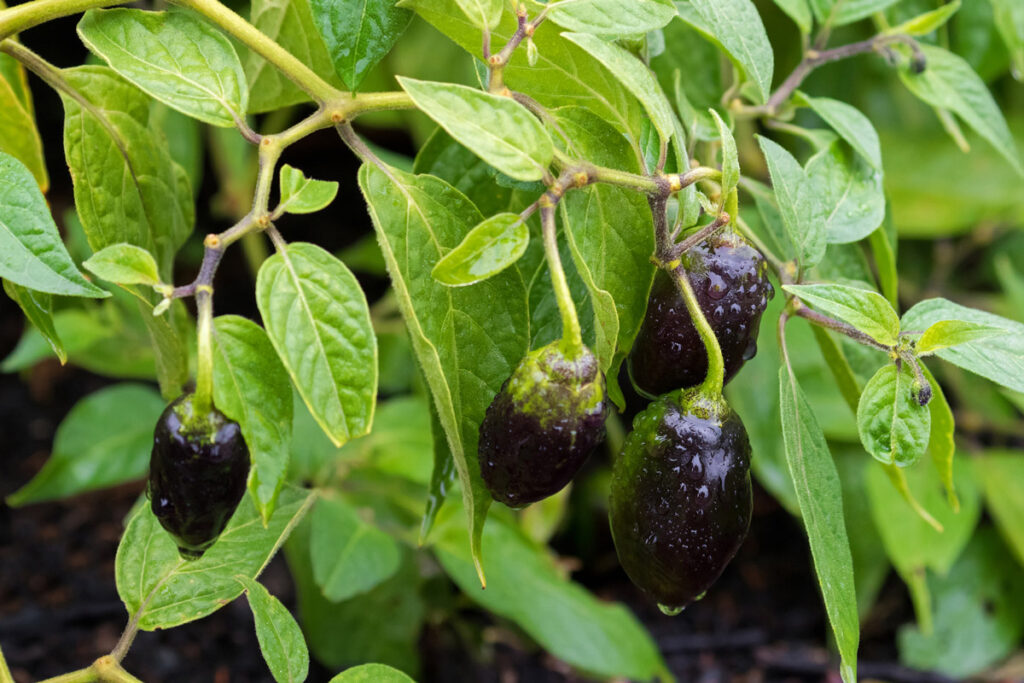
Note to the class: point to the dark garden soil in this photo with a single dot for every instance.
(59, 609)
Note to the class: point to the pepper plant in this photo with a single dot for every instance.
(608, 199)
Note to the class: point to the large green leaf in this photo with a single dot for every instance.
(1009, 19)
(291, 25)
(174, 56)
(498, 129)
(1000, 474)
(866, 310)
(799, 203)
(689, 71)
(280, 638)
(162, 590)
(840, 12)
(851, 125)
(18, 134)
(38, 310)
(851, 192)
(941, 445)
(31, 251)
(819, 494)
(634, 75)
(350, 555)
(317, 318)
(999, 358)
(467, 340)
(127, 187)
(251, 387)
(612, 18)
(104, 440)
(893, 427)
(737, 26)
(949, 82)
(358, 33)
(525, 586)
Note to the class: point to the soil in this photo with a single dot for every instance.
(59, 609)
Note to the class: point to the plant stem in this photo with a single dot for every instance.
(28, 14)
(202, 402)
(111, 671)
(320, 90)
(714, 381)
(86, 675)
(572, 337)
(800, 308)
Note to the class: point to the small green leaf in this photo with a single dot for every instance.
(949, 82)
(633, 74)
(105, 440)
(358, 33)
(893, 426)
(947, 333)
(162, 590)
(799, 12)
(997, 358)
(842, 12)
(281, 640)
(124, 264)
(737, 26)
(799, 204)
(819, 492)
(482, 13)
(300, 194)
(317, 318)
(350, 555)
(251, 386)
(38, 309)
(498, 129)
(31, 251)
(612, 18)
(371, 673)
(868, 311)
(173, 56)
(851, 125)
(730, 156)
(925, 23)
(488, 249)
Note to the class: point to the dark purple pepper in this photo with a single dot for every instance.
(729, 277)
(681, 497)
(197, 475)
(541, 427)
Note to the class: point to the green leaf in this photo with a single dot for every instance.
(162, 590)
(612, 18)
(1000, 474)
(1009, 20)
(799, 12)
(467, 341)
(251, 387)
(842, 12)
(350, 555)
(483, 14)
(866, 310)
(317, 318)
(173, 56)
(358, 33)
(124, 264)
(912, 543)
(978, 621)
(689, 70)
(442, 476)
(893, 427)
(487, 249)
(883, 247)
(19, 136)
(31, 252)
(634, 75)
(851, 192)
(525, 586)
(737, 26)
(949, 82)
(948, 333)
(498, 129)
(127, 187)
(926, 22)
(291, 25)
(799, 204)
(371, 673)
(999, 359)
(281, 641)
(730, 156)
(941, 445)
(819, 492)
(38, 309)
(851, 125)
(104, 440)
(300, 194)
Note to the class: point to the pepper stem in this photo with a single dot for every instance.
(202, 402)
(715, 379)
(572, 337)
